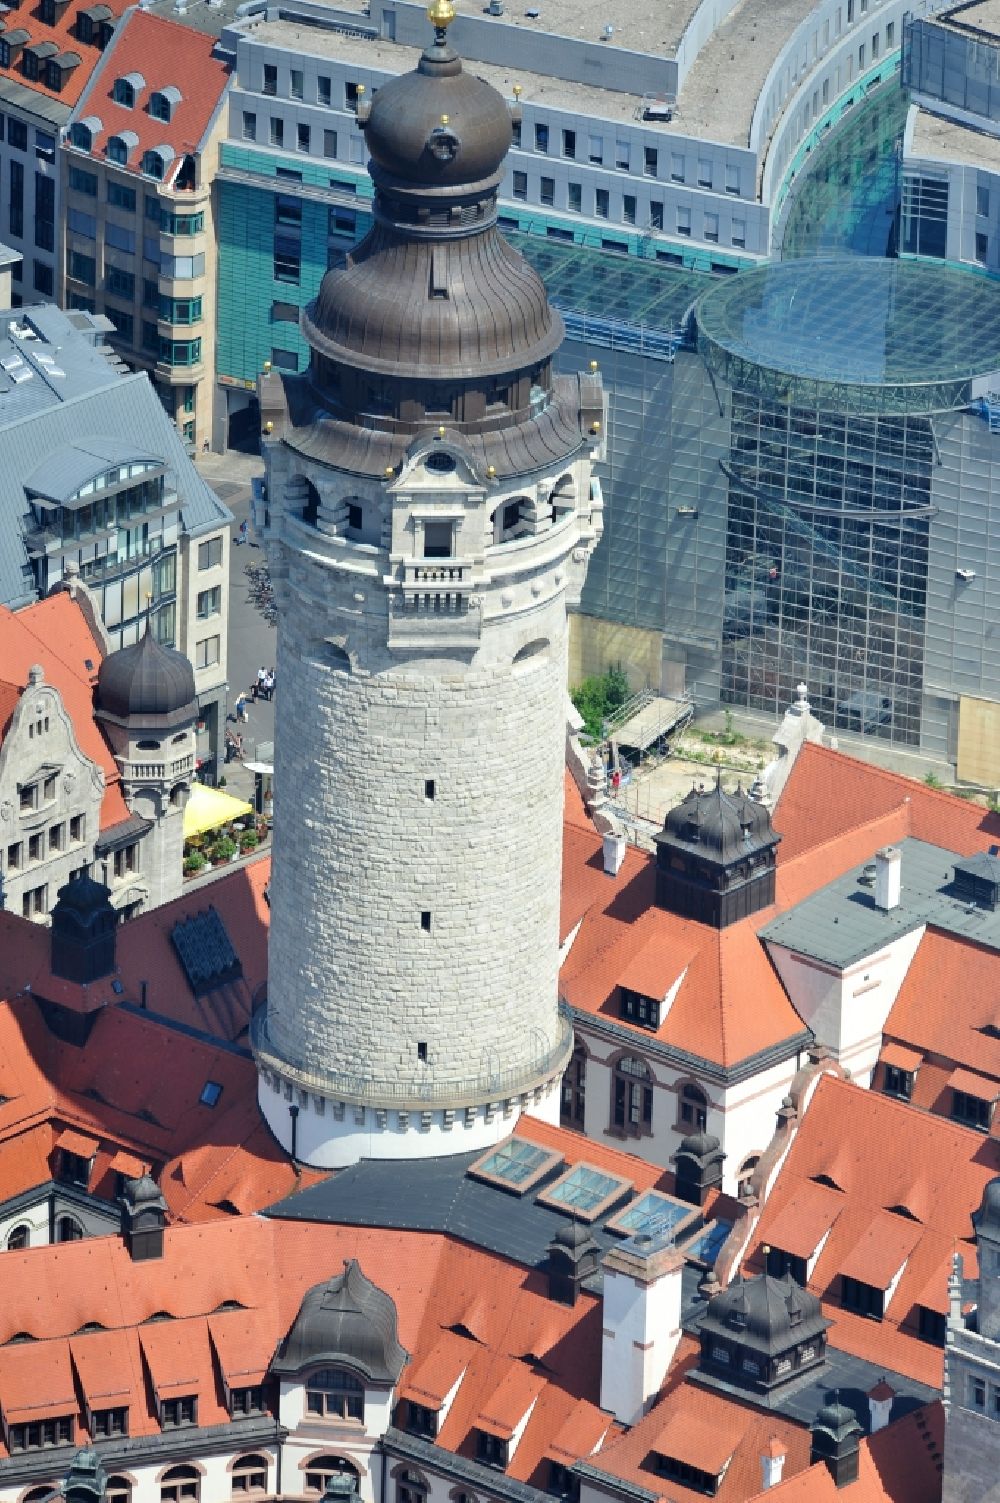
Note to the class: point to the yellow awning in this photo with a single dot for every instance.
(208, 808)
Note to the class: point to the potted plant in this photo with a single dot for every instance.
(226, 850)
(194, 861)
(248, 841)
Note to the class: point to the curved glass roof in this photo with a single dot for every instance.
(853, 334)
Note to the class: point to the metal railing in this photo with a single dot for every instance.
(484, 1086)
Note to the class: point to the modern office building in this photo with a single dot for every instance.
(829, 506)
(951, 153)
(137, 165)
(676, 156)
(48, 51)
(96, 483)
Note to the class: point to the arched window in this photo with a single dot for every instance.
(249, 1475)
(81, 136)
(153, 164)
(411, 1487)
(693, 1108)
(180, 1484)
(532, 653)
(18, 1237)
(336, 1393)
(117, 150)
(310, 504)
(119, 1490)
(39, 1494)
(574, 1090)
(632, 1097)
(322, 1468)
(68, 1229)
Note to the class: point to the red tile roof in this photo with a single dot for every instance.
(27, 15)
(54, 633)
(164, 53)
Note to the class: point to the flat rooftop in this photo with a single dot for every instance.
(978, 15)
(937, 139)
(716, 102)
(841, 924)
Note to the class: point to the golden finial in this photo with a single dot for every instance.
(389, 472)
(517, 91)
(267, 367)
(269, 426)
(593, 367)
(442, 431)
(595, 427)
(440, 13)
(491, 471)
(444, 119)
(361, 89)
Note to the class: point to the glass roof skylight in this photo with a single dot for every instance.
(516, 1165)
(653, 1214)
(585, 1192)
(705, 1248)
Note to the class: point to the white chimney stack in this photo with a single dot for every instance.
(772, 1464)
(642, 1323)
(879, 1405)
(615, 846)
(888, 877)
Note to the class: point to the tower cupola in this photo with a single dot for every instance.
(84, 926)
(146, 683)
(762, 1333)
(715, 856)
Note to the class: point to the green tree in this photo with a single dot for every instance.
(599, 696)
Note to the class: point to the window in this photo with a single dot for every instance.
(16, 208)
(121, 197)
(437, 539)
(574, 197)
(547, 191)
(14, 856)
(81, 223)
(57, 837)
(303, 136)
(692, 1476)
(329, 143)
(421, 1420)
(780, 1262)
(732, 178)
(247, 1400)
(287, 258)
(712, 227)
(562, 1483)
(491, 1450)
(515, 133)
(323, 90)
(640, 1009)
(277, 131)
(180, 1484)
(335, 1393)
(628, 208)
(631, 1097)
(83, 182)
(896, 1082)
(574, 1090)
(180, 351)
(17, 135)
(249, 125)
(104, 1422)
(73, 1168)
(68, 1229)
(19, 1238)
(124, 93)
(207, 652)
(890, 34)
(270, 79)
(693, 1107)
(704, 173)
(982, 202)
(977, 1394)
(180, 310)
(176, 1412)
(35, 903)
(602, 203)
(295, 83)
(120, 238)
(352, 92)
(34, 1437)
(865, 1299)
(210, 554)
(739, 233)
(119, 1490)
(683, 221)
(121, 283)
(211, 1091)
(209, 602)
(623, 155)
(181, 224)
(321, 1468)
(972, 1111)
(520, 185)
(569, 144)
(676, 167)
(425, 921)
(931, 1325)
(982, 247)
(77, 826)
(541, 137)
(42, 278)
(250, 1472)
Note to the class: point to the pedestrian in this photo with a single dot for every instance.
(254, 691)
(242, 713)
(269, 684)
(243, 535)
(261, 679)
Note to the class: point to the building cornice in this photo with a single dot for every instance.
(456, 1468)
(182, 1444)
(680, 1059)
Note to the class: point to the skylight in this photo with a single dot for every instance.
(516, 1165)
(585, 1192)
(210, 1093)
(705, 1248)
(654, 1214)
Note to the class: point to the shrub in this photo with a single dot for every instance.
(224, 849)
(248, 840)
(598, 697)
(194, 862)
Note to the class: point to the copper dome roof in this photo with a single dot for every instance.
(146, 682)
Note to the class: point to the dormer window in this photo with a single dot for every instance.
(175, 1413)
(335, 1393)
(640, 1009)
(58, 69)
(156, 161)
(163, 102)
(691, 1476)
(421, 1420)
(126, 90)
(492, 1450)
(562, 1482)
(83, 133)
(118, 148)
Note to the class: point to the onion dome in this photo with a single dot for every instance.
(987, 1218)
(81, 899)
(837, 1418)
(719, 824)
(346, 1321)
(148, 682)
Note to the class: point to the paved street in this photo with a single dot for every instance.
(251, 640)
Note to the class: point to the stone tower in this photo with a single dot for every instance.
(428, 514)
(972, 1367)
(147, 705)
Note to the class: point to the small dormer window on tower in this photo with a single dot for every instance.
(438, 539)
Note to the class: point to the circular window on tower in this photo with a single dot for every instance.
(440, 462)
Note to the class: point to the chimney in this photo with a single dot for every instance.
(615, 846)
(879, 1405)
(772, 1464)
(573, 1257)
(888, 874)
(144, 1217)
(836, 1442)
(642, 1322)
(83, 931)
(697, 1168)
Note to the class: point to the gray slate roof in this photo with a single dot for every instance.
(62, 388)
(840, 924)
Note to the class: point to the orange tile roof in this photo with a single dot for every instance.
(63, 34)
(103, 1363)
(699, 1440)
(508, 1403)
(900, 1057)
(431, 1376)
(946, 1004)
(165, 53)
(805, 1219)
(54, 632)
(883, 1154)
(36, 1382)
(899, 1464)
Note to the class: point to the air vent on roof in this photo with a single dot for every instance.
(204, 950)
